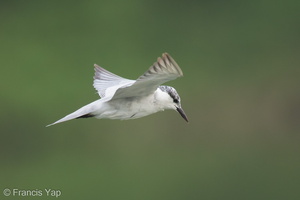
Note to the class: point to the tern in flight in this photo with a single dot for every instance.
(122, 98)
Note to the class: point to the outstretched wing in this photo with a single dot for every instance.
(165, 69)
(106, 83)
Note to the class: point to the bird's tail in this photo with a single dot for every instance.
(83, 112)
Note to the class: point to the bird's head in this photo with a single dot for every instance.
(171, 100)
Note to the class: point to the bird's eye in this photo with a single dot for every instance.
(175, 101)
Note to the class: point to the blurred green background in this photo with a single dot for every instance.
(240, 91)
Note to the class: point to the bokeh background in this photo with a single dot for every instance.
(240, 91)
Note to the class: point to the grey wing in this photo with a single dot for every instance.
(165, 69)
(106, 83)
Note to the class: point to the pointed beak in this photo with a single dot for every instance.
(181, 112)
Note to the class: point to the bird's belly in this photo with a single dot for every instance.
(128, 110)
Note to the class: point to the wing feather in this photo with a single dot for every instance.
(165, 69)
(105, 82)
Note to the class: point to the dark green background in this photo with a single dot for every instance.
(240, 91)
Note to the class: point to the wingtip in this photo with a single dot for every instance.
(168, 57)
(165, 54)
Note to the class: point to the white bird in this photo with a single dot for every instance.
(130, 99)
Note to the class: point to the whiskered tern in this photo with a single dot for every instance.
(122, 98)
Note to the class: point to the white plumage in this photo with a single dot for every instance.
(122, 98)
